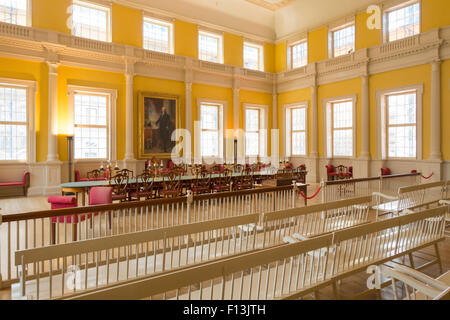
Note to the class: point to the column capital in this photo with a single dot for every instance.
(435, 65)
(129, 67)
(188, 86)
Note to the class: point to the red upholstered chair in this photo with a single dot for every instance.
(223, 182)
(350, 172)
(331, 172)
(170, 165)
(99, 196)
(62, 202)
(202, 183)
(78, 176)
(385, 171)
(144, 188)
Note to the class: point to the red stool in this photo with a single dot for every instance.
(62, 202)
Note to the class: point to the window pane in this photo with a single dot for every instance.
(90, 23)
(209, 117)
(402, 109)
(299, 143)
(90, 143)
(251, 143)
(402, 142)
(298, 119)
(13, 105)
(156, 37)
(251, 57)
(13, 142)
(343, 142)
(13, 11)
(299, 55)
(90, 110)
(210, 143)
(404, 22)
(251, 120)
(208, 48)
(344, 41)
(343, 114)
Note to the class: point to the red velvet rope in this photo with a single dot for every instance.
(312, 197)
(432, 174)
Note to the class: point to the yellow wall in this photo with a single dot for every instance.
(280, 57)
(126, 26)
(51, 15)
(233, 47)
(445, 110)
(365, 38)
(401, 78)
(317, 45)
(89, 78)
(269, 57)
(435, 14)
(186, 39)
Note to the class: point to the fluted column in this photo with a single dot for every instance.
(236, 108)
(274, 108)
(365, 154)
(129, 114)
(314, 123)
(52, 153)
(435, 143)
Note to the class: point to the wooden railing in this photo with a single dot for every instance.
(34, 229)
(351, 188)
(289, 271)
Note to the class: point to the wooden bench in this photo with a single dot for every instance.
(411, 197)
(16, 188)
(289, 271)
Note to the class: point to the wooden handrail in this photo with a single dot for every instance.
(346, 181)
(130, 205)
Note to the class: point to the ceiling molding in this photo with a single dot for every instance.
(271, 5)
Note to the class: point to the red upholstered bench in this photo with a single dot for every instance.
(16, 188)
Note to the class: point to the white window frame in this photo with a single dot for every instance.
(98, 5)
(160, 22)
(331, 48)
(263, 128)
(327, 105)
(287, 132)
(29, 14)
(382, 133)
(31, 88)
(219, 37)
(396, 5)
(223, 112)
(112, 94)
(260, 55)
(290, 55)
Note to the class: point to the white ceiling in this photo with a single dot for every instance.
(250, 18)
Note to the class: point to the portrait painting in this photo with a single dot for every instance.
(158, 118)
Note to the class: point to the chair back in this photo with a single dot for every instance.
(95, 174)
(128, 173)
(144, 182)
(100, 195)
(119, 183)
(171, 181)
(330, 168)
(202, 182)
(341, 171)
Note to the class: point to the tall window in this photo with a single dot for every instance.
(403, 22)
(15, 12)
(299, 55)
(210, 130)
(343, 41)
(91, 123)
(252, 131)
(210, 47)
(253, 56)
(13, 123)
(91, 21)
(342, 126)
(298, 131)
(401, 125)
(158, 35)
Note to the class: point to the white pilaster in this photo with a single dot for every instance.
(129, 141)
(274, 107)
(236, 109)
(52, 152)
(313, 174)
(435, 143)
(362, 170)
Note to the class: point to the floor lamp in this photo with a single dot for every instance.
(70, 155)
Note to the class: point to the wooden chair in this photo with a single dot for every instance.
(128, 173)
(171, 184)
(245, 181)
(202, 183)
(341, 172)
(143, 187)
(300, 174)
(331, 172)
(120, 184)
(223, 182)
(95, 175)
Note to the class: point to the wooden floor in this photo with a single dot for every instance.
(348, 288)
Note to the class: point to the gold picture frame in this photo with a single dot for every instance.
(154, 140)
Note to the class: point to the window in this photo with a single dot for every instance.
(401, 125)
(299, 55)
(342, 41)
(210, 47)
(91, 21)
(403, 22)
(13, 123)
(342, 128)
(252, 131)
(15, 12)
(91, 125)
(253, 56)
(296, 127)
(158, 35)
(210, 130)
